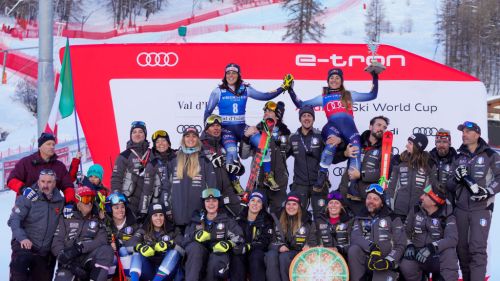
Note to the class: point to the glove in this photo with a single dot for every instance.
(380, 264)
(163, 246)
(425, 252)
(217, 160)
(68, 211)
(221, 247)
(233, 168)
(141, 217)
(70, 253)
(460, 172)
(410, 252)
(30, 194)
(147, 251)
(202, 236)
(287, 82)
(374, 247)
(482, 194)
(138, 247)
(242, 249)
(341, 250)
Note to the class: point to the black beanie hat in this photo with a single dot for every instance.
(45, 137)
(335, 71)
(420, 141)
(307, 109)
(156, 208)
(138, 124)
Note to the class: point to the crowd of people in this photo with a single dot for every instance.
(184, 215)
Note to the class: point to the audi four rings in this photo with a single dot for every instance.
(160, 59)
(428, 131)
(181, 128)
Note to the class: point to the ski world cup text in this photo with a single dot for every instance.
(339, 61)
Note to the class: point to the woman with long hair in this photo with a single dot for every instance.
(337, 102)
(294, 231)
(158, 253)
(413, 171)
(192, 173)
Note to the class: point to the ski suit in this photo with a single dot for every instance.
(340, 119)
(439, 229)
(474, 218)
(232, 108)
(249, 260)
(200, 255)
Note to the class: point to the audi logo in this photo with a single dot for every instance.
(160, 59)
(395, 151)
(338, 171)
(428, 131)
(181, 128)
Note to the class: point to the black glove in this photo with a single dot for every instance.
(481, 195)
(77, 270)
(69, 253)
(141, 218)
(410, 252)
(233, 168)
(342, 250)
(460, 172)
(374, 247)
(424, 253)
(217, 160)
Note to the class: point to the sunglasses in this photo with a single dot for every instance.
(375, 187)
(116, 198)
(85, 199)
(210, 192)
(271, 105)
(138, 123)
(160, 133)
(47, 172)
(469, 124)
(212, 119)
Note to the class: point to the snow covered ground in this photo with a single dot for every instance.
(345, 27)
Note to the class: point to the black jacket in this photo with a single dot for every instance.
(258, 233)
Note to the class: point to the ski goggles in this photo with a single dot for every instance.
(443, 135)
(47, 172)
(160, 133)
(85, 199)
(138, 123)
(375, 187)
(335, 196)
(469, 125)
(213, 119)
(428, 190)
(270, 105)
(115, 198)
(210, 193)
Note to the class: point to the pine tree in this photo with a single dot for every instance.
(304, 23)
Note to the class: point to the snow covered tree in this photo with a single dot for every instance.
(67, 10)
(375, 20)
(26, 9)
(126, 11)
(27, 93)
(304, 23)
(469, 30)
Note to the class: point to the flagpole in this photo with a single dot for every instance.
(78, 139)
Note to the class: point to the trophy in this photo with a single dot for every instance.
(374, 66)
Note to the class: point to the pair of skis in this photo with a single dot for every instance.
(265, 137)
(385, 160)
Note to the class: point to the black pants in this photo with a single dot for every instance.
(29, 265)
(251, 264)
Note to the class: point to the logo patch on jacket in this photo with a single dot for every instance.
(382, 223)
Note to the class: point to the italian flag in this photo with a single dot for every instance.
(64, 102)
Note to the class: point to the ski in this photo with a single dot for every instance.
(268, 126)
(385, 160)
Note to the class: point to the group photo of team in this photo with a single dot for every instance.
(179, 211)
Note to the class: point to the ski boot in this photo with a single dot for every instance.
(237, 186)
(270, 182)
(320, 182)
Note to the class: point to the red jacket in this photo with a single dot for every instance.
(27, 171)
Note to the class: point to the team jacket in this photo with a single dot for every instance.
(169, 233)
(36, 220)
(331, 235)
(407, 185)
(184, 196)
(125, 236)
(385, 229)
(231, 200)
(443, 165)
(305, 234)
(258, 233)
(222, 228)
(91, 233)
(440, 228)
(157, 180)
(306, 149)
(484, 166)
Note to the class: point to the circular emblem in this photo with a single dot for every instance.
(314, 141)
(220, 226)
(435, 222)
(382, 223)
(181, 128)
(160, 59)
(302, 230)
(321, 202)
(318, 263)
(92, 224)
